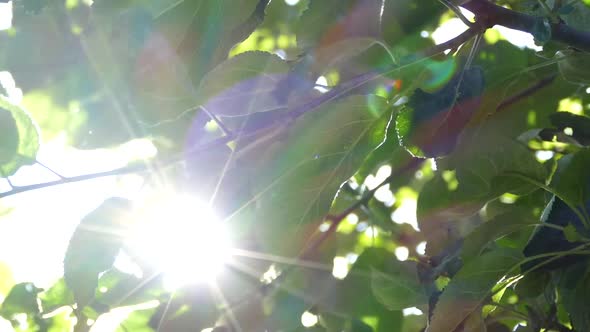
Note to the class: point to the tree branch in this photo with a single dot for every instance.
(491, 14)
(526, 92)
(335, 220)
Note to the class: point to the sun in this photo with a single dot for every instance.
(183, 238)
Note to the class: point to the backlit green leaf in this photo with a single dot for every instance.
(469, 288)
(94, 246)
(16, 148)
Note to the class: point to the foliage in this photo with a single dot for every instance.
(365, 174)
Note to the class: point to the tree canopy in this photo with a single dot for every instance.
(295, 165)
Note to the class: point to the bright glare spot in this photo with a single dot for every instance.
(211, 126)
(352, 219)
(282, 54)
(371, 232)
(406, 213)
(454, 27)
(308, 319)
(518, 38)
(183, 238)
(572, 105)
(138, 149)
(270, 275)
(209, 329)
(424, 34)
(468, 15)
(402, 253)
(126, 264)
(433, 165)
(13, 93)
(353, 184)
(361, 227)
(324, 227)
(383, 172)
(543, 155)
(448, 30)
(291, 2)
(21, 320)
(588, 90)
(568, 131)
(351, 257)
(508, 198)
(412, 311)
(5, 15)
(385, 196)
(340, 269)
(372, 181)
(421, 248)
(321, 84)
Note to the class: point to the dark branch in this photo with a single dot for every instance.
(491, 14)
(526, 92)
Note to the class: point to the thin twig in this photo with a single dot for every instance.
(214, 117)
(49, 169)
(335, 220)
(526, 92)
(457, 12)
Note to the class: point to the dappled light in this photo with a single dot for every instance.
(294, 165)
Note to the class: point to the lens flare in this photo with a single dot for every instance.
(181, 237)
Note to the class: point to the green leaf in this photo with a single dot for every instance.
(497, 227)
(542, 31)
(547, 239)
(121, 289)
(475, 322)
(578, 124)
(398, 287)
(22, 299)
(571, 234)
(329, 21)
(487, 163)
(431, 123)
(469, 288)
(532, 284)
(152, 58)
(318, 153)
(137, 321)
(247, 83)
(94, 246)
(573, 66)
(571, 180)
(8, 136)
(390, 152)
(438, 209)
(579, 17)
(193, 309)
(355, 296)
(17, 148)
(574, 288)
(193, 29)
(59, 295)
